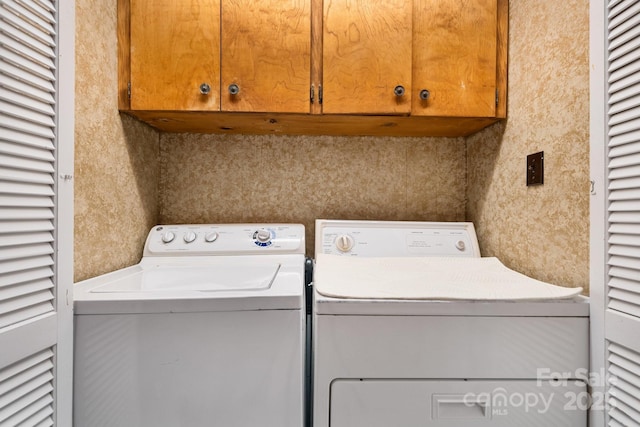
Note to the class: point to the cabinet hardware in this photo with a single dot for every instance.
(497, 97)
(234, 89)
(205, 89)
(424, 94)
(320, 94)
(129, 90)
(398, 90)
(312, 94)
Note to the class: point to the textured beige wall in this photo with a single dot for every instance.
(116, 158)
(224, 178)
(542, 231)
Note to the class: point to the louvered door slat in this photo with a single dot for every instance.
(624, 223)
(624, 127)
(41, 93)
(42, 26)
(24, 288)
(624, 301)
(39, 64)
(28, 114)
(26, 389)
(625, 206)
(622, 20)
(18, 278)
(9, 138)
(624, 394)
(632, 148)
(625, 193)
(625, 108)
(25, 101)
(625, 240)
(629, 33)
(8, 240)
(625, 172)
(25, 227)
(40, 419)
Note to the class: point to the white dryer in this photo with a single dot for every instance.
(208, 329)
(411, 327)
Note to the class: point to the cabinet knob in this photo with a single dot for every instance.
(205, 89)
(398, 90)
(234, 89)
(424, 94)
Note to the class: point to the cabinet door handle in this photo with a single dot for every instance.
(424, 94)
(398, 90)
(234, 89)
(205, 89)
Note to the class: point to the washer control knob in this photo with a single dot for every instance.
(263, 236)
(189, 237)
(168, 236)
(461, 246)
(344, 243)
(211, 237)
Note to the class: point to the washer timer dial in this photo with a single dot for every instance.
(344, 243)
(263, 237)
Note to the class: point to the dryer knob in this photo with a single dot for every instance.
(263, 236)
(189, 237)
(344, 243)
(168, 237)
(461, 246)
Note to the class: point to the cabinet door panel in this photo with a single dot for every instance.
(175, 47)
(366, 54)
(454, 57)
(266, 50)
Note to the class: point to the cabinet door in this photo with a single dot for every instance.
(366, 55)
(175, 48)
(266, 54)
(454, 57)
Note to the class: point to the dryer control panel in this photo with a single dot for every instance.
(396, 238)
(225, 239)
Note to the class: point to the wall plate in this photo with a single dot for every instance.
(535, 169)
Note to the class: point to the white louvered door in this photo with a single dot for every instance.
(622, 272)
(36, 164)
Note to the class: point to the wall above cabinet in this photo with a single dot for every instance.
(332, 67)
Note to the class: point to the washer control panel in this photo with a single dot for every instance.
(224, 239)
(396, 238)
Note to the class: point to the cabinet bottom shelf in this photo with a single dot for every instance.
(308, 124)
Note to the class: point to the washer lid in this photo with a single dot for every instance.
(196, 284)
(207, 278)
(429, 278)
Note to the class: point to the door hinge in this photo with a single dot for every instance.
(313, 93)
(497, 97)
(129, 90)
(320, 94)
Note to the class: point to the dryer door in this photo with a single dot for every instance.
(435, 403)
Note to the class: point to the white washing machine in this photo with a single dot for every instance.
(207, 330)
(412, 328)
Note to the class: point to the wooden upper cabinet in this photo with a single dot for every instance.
(366, 55)
(266, 54)
(377, 67)
(174, 50)
(454, 58)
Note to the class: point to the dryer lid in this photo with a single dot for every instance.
(429, 278)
